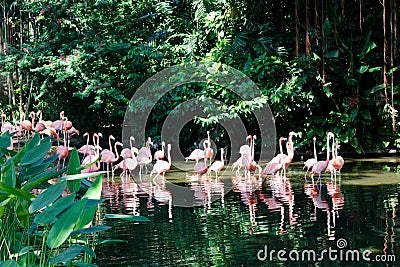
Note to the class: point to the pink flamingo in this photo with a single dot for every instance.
(129, 152)
(110, 158)
(6, 125)
(244, 151)
(310, 162)
(91, 158)
(87, 149)
(321, 166)
(338, 161)
(62, 151)
(248, 160)
(208, 151)
(27, 125)
(144, 156)
(159, 154)
(218, 165)
(276, 163)
(162, 166)
(201, 167)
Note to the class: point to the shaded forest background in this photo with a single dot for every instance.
(329, 65)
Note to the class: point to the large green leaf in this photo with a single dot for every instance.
(65, 224)
(70, 253)
(5, 140)
(127, 217)
(91, 230)
(37, 153)
(10, 178)
(11, 191)
(93, 192)
(48, 196)
(42, 177)
(21, 209)
(49, 215)
(73, 168)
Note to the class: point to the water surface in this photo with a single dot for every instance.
(237, 224)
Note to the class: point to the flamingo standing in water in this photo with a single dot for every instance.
(62, 151)
(218, 165)
(162, 166)
(244, 151)
(321, 165)
(128, 152)
(338, 161)
(129, 161)
(107, 153)
(248, 160)
(310, 162)
(87, 149)
(201, 167)
(144, 156)
(110, 158)
(287, 159)
(91, 158)
(208, 151)
(276, 163)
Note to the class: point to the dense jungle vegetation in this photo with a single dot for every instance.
(321, 65)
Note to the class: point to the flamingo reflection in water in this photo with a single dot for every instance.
(129, 190)
(206, 190)
(337, 196)
(282, 195)
(161, 194)
(314, 192)
(249, 191)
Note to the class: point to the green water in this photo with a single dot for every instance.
(234, 224)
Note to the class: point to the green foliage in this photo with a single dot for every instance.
(91, 57)
(45, 217)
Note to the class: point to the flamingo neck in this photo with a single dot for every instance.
(33, 120)
(333, 148)
(116, 151)
(169, 156)
(109, 143)
(327, 148)
(315, 150)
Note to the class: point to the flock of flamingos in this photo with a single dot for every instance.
(62, 130)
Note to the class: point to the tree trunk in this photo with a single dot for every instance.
(297, 26)
(307, 35)
(361, 18)
(392, 56)
(384, 51)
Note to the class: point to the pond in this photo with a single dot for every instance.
(276, 222)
